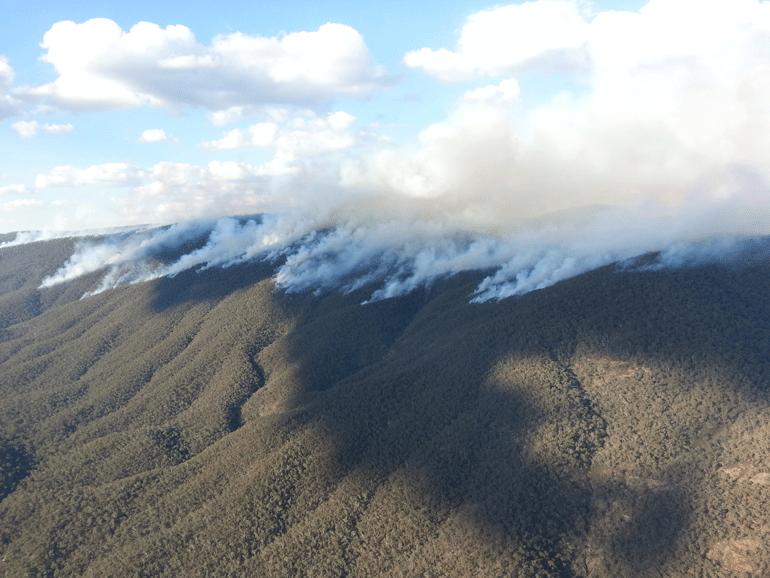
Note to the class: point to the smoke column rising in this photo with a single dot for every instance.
(660, 143)
(396, 256)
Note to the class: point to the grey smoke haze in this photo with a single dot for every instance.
(344, 249)
(24, 237)
(660, 143)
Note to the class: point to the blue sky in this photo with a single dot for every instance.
(487, 112)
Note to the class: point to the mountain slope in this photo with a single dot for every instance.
(610, 425)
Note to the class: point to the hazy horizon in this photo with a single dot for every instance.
(537, 139)
(481, 115)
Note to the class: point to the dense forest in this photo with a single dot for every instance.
(615, 424)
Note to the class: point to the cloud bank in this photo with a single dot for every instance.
(156, 135)
(392, 257)
(658, 141)
(545, 35)
(660, 102)
(102, 67)
(29, 129)
(9, 106)
(105, 174)
(655, 104)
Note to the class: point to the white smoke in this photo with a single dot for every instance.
(25, 237)
(658, 142)
(343, 251)
(126, 256)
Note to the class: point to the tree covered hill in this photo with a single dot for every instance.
(614, 424)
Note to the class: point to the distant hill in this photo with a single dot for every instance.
(614, 424)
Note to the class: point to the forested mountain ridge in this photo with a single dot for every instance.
(614, 424)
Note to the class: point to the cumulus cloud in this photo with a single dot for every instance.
(102, 67)
(614, 48)
(8, 190)
(111, 174)
(505, 92)
(16, 204)
(235, 113)
(156, 135)
(9, 106)
(171, 192)
(29, 129)
(671, 98)
(6, 74)
(168, 192)
(546, 34)
(300, 138)
(664, 147)
(230, 114)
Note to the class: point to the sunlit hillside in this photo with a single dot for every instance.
(613, 424)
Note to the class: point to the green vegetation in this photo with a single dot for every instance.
(615, 424)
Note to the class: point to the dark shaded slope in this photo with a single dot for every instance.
(506, 441)
(611, 425)
(23, 268)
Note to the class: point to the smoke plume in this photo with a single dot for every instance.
(657, 142)
(345, 251)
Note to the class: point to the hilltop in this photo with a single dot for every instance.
(613, 424)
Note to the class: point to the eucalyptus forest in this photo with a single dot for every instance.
(614, 424)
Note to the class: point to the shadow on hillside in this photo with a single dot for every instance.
(470, 430)
(503, 461)
(214, 284)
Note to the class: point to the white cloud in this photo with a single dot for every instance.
(9, 106)
(26, 129)
(659, 117)
(172, 192)
(156, 135)
(57, 128)
(505, 92)
(670, 128)
(6, 74)
(109, 174)
(9, 190)
(169, 192)
(543, 35)
(169, 178)
(17, 204)
(29, 129)
(230, 114)
(235, 113)
(100, 66)
(555, 36)
(299, 138)
(674, 96)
